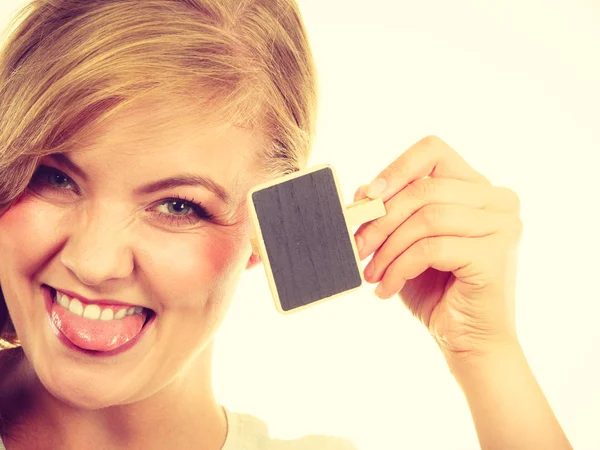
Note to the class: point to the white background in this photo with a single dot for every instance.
(514, 87)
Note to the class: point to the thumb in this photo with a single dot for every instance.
(360, 193)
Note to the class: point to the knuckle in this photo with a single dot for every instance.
(511, 198)
(432, 215)
(430, 247)
(517, 227)
(431, 141)
(421, 189)
(512, 229)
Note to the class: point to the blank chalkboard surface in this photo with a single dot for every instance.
(304, 238)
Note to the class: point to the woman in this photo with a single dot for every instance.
(131, 132)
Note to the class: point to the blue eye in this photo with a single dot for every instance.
(46, 177)
(178, 211)
(58, 180)
(179, 207)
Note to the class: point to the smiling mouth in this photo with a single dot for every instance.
(96, 311)
(97, 327)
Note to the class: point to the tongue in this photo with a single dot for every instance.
(99, 335)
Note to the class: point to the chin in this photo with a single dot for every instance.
(85, 392)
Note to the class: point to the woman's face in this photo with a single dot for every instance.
(147, 216)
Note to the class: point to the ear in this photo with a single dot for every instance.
(253, 260)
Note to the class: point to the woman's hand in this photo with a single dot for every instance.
(448, 246)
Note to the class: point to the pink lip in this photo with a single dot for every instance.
(46, 292)
(104, 302)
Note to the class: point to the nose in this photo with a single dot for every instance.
(99, 249)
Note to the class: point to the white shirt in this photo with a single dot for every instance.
(246, 432)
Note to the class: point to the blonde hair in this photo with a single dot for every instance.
(69, 65)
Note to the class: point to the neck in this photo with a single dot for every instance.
(184, 414)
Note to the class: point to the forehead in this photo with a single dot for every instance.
(149, 141)
(149, 126)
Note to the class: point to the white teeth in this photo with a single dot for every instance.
(107, 314)
(63, 300)
(92, 312)
(76, 307)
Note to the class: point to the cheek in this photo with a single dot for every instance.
(28, 233)
(28, 239)
(196, 266)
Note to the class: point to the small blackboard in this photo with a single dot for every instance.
(304, 238)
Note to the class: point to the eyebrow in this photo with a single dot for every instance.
(159, 185)
(184, 180)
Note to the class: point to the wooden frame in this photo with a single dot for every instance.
(355, 214)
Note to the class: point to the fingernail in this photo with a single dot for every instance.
(369, 270)
(376, 188)
(379, 290)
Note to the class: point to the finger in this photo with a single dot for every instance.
(360, 193)
(433, 191)
(430, 157)
(436, 220)
(443, 253)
